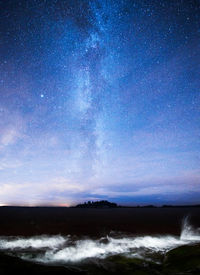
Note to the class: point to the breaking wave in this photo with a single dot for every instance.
(38, 242)
(65, 249)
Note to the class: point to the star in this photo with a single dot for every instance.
(103, 100)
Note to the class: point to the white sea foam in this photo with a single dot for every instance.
(94, 249)
(64, 249)
(38, 242)
(188, 232)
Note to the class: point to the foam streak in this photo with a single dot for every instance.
(64, 249)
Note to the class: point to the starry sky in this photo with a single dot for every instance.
(99, 99)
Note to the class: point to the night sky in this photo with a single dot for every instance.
(99, 99)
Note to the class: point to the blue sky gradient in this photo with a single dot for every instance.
(99, 100)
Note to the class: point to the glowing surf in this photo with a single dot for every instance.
(65, 249)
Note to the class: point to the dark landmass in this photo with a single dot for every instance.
(193, 205)
(97, 204)
(10, 265)
(94, 222)
(107, 204)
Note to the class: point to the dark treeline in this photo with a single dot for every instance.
(107, 204)
(97, 204)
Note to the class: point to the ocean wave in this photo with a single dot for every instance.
(65, 249)
(36, 242)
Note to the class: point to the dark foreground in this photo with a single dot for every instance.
(29, 221)
(93, 224)
(183, 260)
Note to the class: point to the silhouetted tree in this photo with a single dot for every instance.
(97, 204)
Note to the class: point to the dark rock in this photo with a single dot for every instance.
(125, 266)
(13, 265)
(183, 260)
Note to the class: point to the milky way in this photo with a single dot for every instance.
(99, 99)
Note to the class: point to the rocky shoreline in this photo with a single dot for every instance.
(181, 260)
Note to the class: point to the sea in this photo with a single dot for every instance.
(72, 251)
